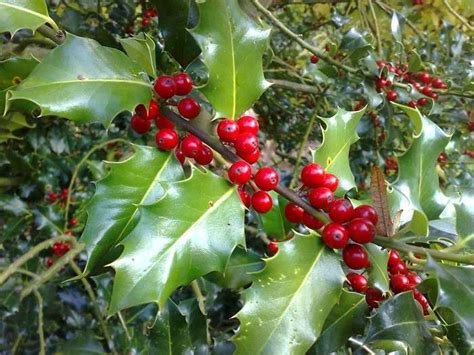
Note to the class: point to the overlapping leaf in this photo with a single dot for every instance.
(190, 232)
(274, 222)
(141, 49)
(18, 14)
(84, 81)
(378, 275)
(232, 47)
(114, 209)
(288, 303)
(333, 154)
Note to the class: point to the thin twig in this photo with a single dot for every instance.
(458, 16)
(295, 86)
(377, 30)
(39, 299)
(124, 326)
(199, 297)
(362, 345)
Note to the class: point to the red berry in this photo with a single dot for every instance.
(424, 77)
(312, 222)
(312, 175)
(294, 213)
(166, 139)
(52, 197)
(361, 230)
(262, 202)
(400, 283)
(191, 146)
(248, 124)
(421, 299)
(355, 256)
(414, 279)
(244, 196)
(153, 109)
(314, 59)
(165, 86)
(437, 83)
(228, 130)
(399, 268)
(184, 84)
(189, 108)
(341, 210)
(73, 222)
(335, 236)
(180, 156)
(422, 101)
(266, 179)
(412, 103)
(373, 296)
(139, 124)
(240, 172)
(427, 90)
(393, 258)
(391, 95)
(68, 232)
(251, 157)
(145, 21)
(272, 248)
(320, 197)
(140, 110)
(357, 282)
(162, 122)
(367, 212)
(49, 262)
(330, 181)
(205, 156)
(434, 96)
(246, 143)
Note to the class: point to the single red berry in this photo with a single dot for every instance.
(68, 232)
(399, 268)
(228, 130)
(148, 13)
(240, 172)
(412, 103)
(244, 196)
(427, 90)
(250, 158)
(400, 283)
(312, 175)
(373, 296)
(422, 101)
(294, 213)
(414, 279)
(145, 21)
(393, 258)
(266, 179)
(205, 156)
(248, 124)
(341, 210)
(312, 222)
(417, 86)
(361, 230)
(162, 122)
(391, 95)
(246, 143)
(165, 86)
(434, 96)
(367, 212)
(358, 282)
(330, 181)
(139, 124)
(180, 156)
(166, 139)
(335, 236)
(153, 110)
(140, 110)
(191, 146)
(73, 222)
(272, 248)
(437, 83)
(49, 262)
(314, 59)
(320, 197)
(424, 77)
(262, 202)
(52, 197)
(421, 299)
(184, 84)
(355, 256)
(189, 108)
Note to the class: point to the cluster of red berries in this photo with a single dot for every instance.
(61, 197)
(61, 248)
(416, 2)
(148, 15)
(391, 165)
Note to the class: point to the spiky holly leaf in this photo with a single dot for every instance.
(378, 275)
(288, 302)
(274, 222)
(232, 47)
(114, 209)
(333, 154)
(465, 218)
(189, 233)
(141, 49)
(400, 318)
(417, 190)
(84, 82)
(18, 14)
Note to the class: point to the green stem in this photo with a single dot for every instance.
(39, 299)
(376, 27)
(309, 129)
(56, 35)
(8, 182)
(458, 16)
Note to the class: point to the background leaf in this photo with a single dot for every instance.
(378, 275)
(17, 14)
(141, 49)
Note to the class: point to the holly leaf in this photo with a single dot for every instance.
(189, 233)
(14, 70)
(141, 49)
(282, 313)
(333, 153)
(417, 190)
(232, 47)
(347, 318)
(18, 14)
(84, 82)
(114, 209)
(465, 218)
(400, 318)
(274, 222)
(378, 276)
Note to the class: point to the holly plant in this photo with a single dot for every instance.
(248, 177)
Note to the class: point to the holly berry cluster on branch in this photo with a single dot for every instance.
(148, 15)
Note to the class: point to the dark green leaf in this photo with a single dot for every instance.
(378, 276)
(17, 14)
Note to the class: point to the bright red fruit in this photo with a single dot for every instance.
(145, 22)
(373, 296)
(424, 77)
(49, 262)
(400, 283)
(184, 84)
(412, 103)
(393, 258)
(240, 172)
(437, 83)
(266, 179)
(165, 86)
(335, 236)
(205, 156)
(162, 122)
(248, 124)
(191, 146)
(180, 155)
(294, 213)
(153, 109)
(427, 90)
(367, 212)
(361, 230)
(330, 181)
(414, 278)
(262, 202)
(189, 108)
(272, 248)
(341, 210)
(244, 196)
(166, 139)
(246, 143)
(399, 268)
(228, 130)
(422, 101)
(251, 157)
(314, 59)
(312, 175)
(73, 222)
(391, 95)
(421, 300)
(139, 124)
(312, 222)
(357, 282)
(320, 197)
(355, 256)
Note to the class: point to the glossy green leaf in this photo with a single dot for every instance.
(141, 49)
(396, 27)
(114, 209)
(378, 275)
(232, 47)
(14, 70)
(18, 14)
(414, 62)
(417, 190)
(347, 318)
(274, 222)
(400, 318)
(288, 303)
(333, 154)
(189, 233)
(465, 218)
(12, 122)
(84, 81)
